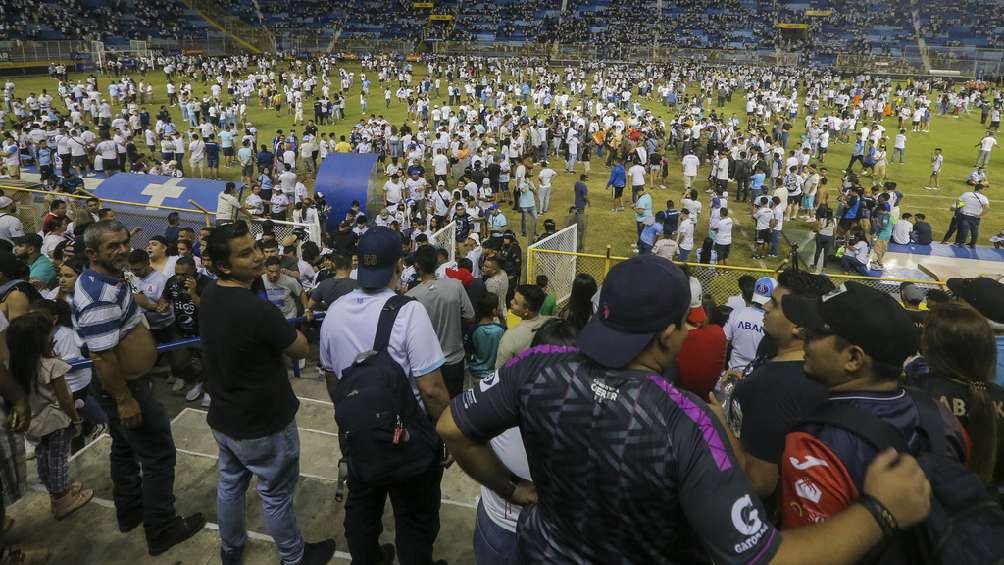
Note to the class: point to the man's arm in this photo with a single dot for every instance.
(106, 364)
(433, 391)
(299, 349)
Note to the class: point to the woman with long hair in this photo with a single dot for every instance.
(823, 239)
(961, 354)
(66, 280)
(579, 308)
(54, 418)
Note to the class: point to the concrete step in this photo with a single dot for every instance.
(318, 514)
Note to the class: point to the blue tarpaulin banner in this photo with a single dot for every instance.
(342, 178)
(159, 191)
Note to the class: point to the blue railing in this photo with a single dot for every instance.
(197, 342)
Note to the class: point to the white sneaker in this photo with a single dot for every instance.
(205, 400)
(29, 450)
(195, 392)
(178, 386)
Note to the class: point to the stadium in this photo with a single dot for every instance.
(551, 163)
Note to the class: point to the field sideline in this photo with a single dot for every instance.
(956, 136)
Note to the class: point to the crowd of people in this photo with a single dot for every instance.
(759, 464)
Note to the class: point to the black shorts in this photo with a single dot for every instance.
(723, 250)
(228, 151)
(763, 236)
(618, 191)
(247, 170)
(45, 171)
(164, 335)
(213, 163)
(109, 164)
(80, 161)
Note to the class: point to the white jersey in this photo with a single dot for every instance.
(745, 330)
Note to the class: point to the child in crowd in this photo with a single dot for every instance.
(485, 337)
(54, 418)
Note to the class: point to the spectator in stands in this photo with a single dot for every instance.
(53, 413)
(775, 393)
(448, 307)
(253, 408)
(28, 248)
(183, 292)
(109, 321)
(349, 329)
(617, 365)
(526, 304)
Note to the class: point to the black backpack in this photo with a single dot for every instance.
(966, 523)
(383, 433)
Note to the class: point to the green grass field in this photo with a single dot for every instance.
(957, 137)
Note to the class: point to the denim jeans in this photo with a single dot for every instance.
(274, 461)
(149, 448)
(683, 254)
(532, 212)
(493, 544)
(775, 240)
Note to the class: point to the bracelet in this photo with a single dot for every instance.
(885, 519)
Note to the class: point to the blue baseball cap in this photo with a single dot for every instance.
(640, 297)
(379, 250)
(763, 289)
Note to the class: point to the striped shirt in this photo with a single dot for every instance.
(103, 310)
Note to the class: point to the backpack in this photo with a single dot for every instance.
(966, 523)
(384, 435)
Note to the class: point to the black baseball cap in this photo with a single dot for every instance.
(379, 250)
(986, 296)
(640, 297)
(32, 239)
(867, 317)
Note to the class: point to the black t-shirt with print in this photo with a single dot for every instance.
(186, 312)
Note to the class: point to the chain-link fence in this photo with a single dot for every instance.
(446, 238)
(719, 281)
(282, 229)
(558, 267)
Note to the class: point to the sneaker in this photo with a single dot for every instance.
(29, 450)
(318, 553)
(206, 401)
(195, 392)
(235, 557)
(178, 386)
(130, 521)
(179, 530)
(95, 433)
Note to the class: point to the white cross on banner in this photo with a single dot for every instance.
(159, 192)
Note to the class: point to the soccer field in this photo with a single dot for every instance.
(956, 136)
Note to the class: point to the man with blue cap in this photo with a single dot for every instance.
(349, 329)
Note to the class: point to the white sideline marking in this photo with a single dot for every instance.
(210, 526)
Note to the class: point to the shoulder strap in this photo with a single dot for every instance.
(861, 423)
(930, 420)
(386, 322)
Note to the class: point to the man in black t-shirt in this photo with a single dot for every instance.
(183, 291)
(331, 289)
(253, 409)
(775, 395)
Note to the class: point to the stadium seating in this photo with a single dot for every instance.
(113, 22)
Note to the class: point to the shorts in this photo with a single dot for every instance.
(504, 186)
(213, 163)
(228, 151)
(688, 181)
(618, 191)
(109, 164)
(80, 161)
(723, 250)
(763, 236)
(247, 170)
(655, 168)
(822, 150)
(165, 156)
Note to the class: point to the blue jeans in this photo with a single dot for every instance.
(275, 461)
(683, 254)
(493, 544)
(775, 239)
(852, 264)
